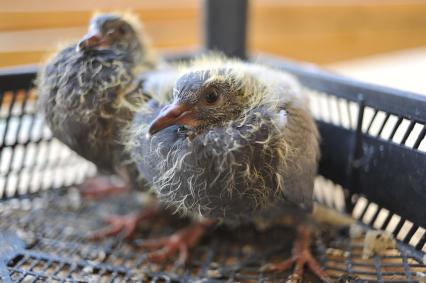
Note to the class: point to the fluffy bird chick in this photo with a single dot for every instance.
(88, 93)
(119, 32)
(237, 143)
(250, 138)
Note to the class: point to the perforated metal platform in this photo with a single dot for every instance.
(43, 239)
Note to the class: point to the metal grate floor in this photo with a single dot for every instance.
(42, 239)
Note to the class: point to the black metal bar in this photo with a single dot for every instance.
(357, 153)
(348, 109)
(225, 23)
(17, 78)
(408, 132)
(420, 137)
(349, 201)
(339, 112)
(7, 120)
(372, 121)
(421, 243)
(383, 124)
(387, 220)
(329, 108)
(410, 233)
(374, 218)
(364, 211)
(398, 227)
(395, 128)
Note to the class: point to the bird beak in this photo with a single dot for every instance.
(92, 39)
(173, 114)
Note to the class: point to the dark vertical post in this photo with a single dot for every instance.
(356, 159)
(225, 26)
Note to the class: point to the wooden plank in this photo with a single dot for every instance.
(310, 3)
(339, 17)
(20, 58)
(89, 5)
(329, 31)
(14, 21)
(38, 40)
(8, 59)
(327, 48)
(185, 32)
(321, 32)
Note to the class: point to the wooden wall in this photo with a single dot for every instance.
(28, 28)
(319, 31)
(336, 30)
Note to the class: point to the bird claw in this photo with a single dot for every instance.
(170, 248)
(301, 256)
(100, 187)
(281, 266)
(117, 225)
(178, 243)
(123, 224)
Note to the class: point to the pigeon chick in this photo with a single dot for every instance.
(238, 143)
(120, 32)
(88, 94)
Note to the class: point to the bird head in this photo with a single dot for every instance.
(205, 98)
(112, 31)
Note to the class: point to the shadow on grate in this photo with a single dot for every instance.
(47, 243)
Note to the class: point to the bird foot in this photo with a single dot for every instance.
(179, 242)
(123, 224)
(301, 256)
(100, 187)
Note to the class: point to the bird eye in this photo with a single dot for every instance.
(211, 97)
(110, 31)
(122, 29)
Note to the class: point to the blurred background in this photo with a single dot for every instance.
(379, 41)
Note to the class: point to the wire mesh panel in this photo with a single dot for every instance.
(30, 159)
(49, 245)
(387, 127)
(374, 146)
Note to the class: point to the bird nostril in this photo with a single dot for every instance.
(175, 112)
(171, 111)
(81, 45)
(165, 109)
